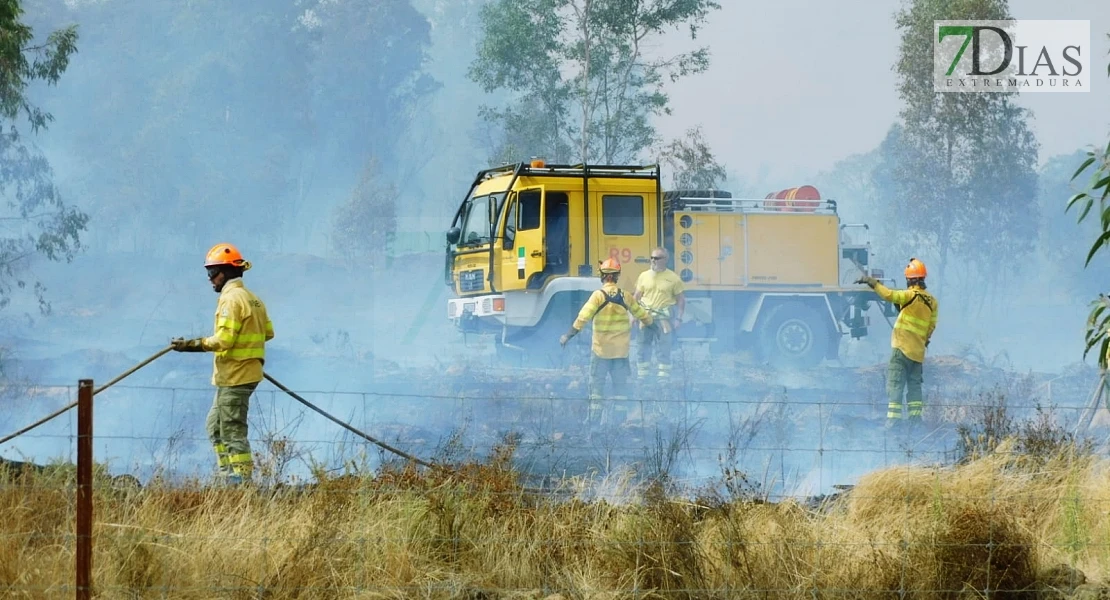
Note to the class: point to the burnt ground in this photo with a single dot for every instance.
(787, 433)
(375, 350)
(791, 433)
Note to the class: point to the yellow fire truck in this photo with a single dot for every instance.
(772, 275)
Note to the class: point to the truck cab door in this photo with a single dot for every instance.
(626, 232)
(523, 241)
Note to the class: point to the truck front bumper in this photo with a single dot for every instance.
(477, 314)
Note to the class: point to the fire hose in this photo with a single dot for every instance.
(95, 392)
(346, 426)
(281, 387)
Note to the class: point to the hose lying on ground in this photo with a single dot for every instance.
(346, 426)
(295, 396)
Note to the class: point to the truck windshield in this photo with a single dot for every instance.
(478, 217)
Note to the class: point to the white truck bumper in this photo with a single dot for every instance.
(478, 306)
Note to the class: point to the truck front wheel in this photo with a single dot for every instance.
(793, 335)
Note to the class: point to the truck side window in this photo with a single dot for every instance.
(510, 226)
(529, 210)
(622, 215)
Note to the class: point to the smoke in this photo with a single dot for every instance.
(369, 342)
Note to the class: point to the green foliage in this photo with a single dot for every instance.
(577, 76)
(1075, 535)
(250, 109)
(1057, 238)
(364, 226)
(369, 55)
(24, 63)
(691, 163)
(1097, 190)
(851, 183)
(959, 171)
(1060, 241)
(34, 221)
(519, 51)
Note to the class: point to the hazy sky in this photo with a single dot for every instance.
(807, 83)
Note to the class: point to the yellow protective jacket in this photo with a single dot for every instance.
(241, 331)
(917, 319)
(612, 331)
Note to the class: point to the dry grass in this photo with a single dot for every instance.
(989, 527)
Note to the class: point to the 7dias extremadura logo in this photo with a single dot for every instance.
(1011, 56)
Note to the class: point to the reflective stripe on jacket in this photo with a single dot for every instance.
(917, 319)
(241, 330)
(612, 331)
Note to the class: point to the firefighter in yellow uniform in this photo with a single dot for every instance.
(917, 319)
(242, 328)
(608, 308)
(659, 289)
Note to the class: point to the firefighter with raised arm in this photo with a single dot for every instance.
(242, 328)
(917, 319)
(608, 308)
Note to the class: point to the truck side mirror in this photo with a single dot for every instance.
(453, 235)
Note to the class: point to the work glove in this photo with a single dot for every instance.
(184, 345)
(563, 339)
(870, 281)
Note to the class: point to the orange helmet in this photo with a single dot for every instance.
(225, 254)
(915, 270)
(610, 265)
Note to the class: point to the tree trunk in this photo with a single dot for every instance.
(585, 21)
(946, 241)
(943, 265)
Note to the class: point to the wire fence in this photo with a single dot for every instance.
(159, 428)
(721, 493)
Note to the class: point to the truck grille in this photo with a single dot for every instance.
(471, 281)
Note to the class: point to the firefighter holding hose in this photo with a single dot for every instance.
(661, 291)
(608, 308)
(242, 328)
(917, 319)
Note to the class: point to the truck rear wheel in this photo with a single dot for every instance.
(793, 334)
